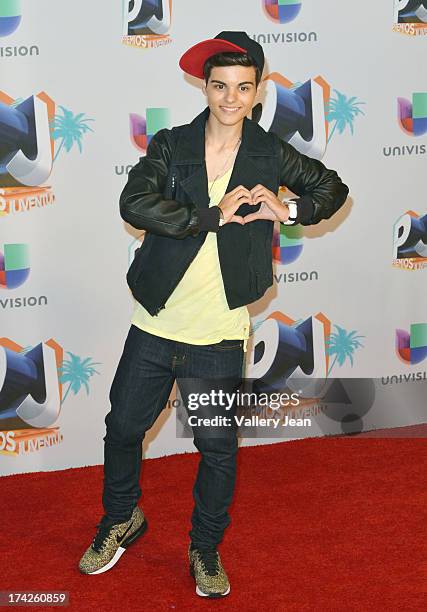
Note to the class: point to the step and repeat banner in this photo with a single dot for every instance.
(83, 88)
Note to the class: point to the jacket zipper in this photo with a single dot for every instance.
(173, 186)
(173, 190)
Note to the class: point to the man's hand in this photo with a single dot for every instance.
(231, 202)
(271, 207)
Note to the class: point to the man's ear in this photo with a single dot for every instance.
(204, 88)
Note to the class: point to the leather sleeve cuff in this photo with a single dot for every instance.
(209, 219)
(305, 209)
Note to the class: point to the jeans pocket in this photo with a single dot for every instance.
(226, 345)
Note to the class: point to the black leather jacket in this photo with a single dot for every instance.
(167, 195)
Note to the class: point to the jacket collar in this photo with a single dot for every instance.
(191, 144)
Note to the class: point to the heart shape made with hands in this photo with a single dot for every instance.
(272, 208)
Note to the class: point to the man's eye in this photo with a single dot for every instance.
(218, 86)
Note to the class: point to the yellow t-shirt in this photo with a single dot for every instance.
(197, 311)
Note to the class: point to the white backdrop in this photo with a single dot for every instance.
(64, 250)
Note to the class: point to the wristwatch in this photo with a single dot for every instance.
(292, 211)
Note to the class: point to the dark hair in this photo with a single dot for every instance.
(230, 58)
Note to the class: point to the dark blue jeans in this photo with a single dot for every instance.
(141, 387)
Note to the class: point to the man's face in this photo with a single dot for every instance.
(231, 92)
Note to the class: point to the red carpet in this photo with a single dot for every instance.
(319, 524)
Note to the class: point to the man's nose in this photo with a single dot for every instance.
(231, 95)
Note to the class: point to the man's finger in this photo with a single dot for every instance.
(241, 187)
(252, 217)
(243, 193)
(237, 219)
(261, 195)
(262, 190)
(242, 200)
(260, 199)
(257, 188)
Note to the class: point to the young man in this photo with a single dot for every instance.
(206, 194)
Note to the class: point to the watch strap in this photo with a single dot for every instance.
(293, 211)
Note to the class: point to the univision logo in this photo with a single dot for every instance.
(412, 115)
(412, 120)
(282, 11)
(287, 247)
(287, 244)
(142, 129)
(14, 271)
(14, 266)
(10, 16)
(411, 347)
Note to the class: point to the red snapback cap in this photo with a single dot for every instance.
(193, 60)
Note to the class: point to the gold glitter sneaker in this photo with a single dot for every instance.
(110, 543)
(206, 568)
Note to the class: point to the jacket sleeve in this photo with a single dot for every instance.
(321, 190)
(143, 205)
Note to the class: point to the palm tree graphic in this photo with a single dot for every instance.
(343, 111)
(76, 372)
(342, 345)
(70, 128)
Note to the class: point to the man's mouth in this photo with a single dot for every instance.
(230, 109)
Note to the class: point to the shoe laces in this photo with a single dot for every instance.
(209, 559)
(101, 537)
